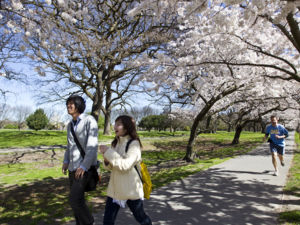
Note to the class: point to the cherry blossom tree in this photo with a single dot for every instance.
(268, 30)
(253, 111)
(89, 47)
(217, 61)
(200, 88)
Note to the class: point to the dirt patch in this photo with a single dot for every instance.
(51, 155)
(46, 201)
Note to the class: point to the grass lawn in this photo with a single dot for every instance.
(293, 188)
(34, 191)
(28, 138)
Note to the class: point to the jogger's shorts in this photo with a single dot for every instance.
(276, 148)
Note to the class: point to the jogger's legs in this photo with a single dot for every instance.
(281, 158)
(274, 160)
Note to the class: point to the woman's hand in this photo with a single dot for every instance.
(103, 148)
(106, 161)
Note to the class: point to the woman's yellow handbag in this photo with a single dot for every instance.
(146, 179)
(144, 176)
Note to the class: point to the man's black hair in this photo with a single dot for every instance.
(78, 102)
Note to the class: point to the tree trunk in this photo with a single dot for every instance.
(108, 108)
(189, 155)
(237, 135)
(97, 102)
(107, 130)
(208, 120)
(229, 128)
(95, 112)
(189, 149)
(263, 126)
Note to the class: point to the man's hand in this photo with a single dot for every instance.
(79, 173)
(65, 168)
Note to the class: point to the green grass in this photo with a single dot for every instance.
(37, 192)
(153, 133)
(290, 217)
(15, 138)
(167, 175)
(293, 188)
(22, 173)
(174, 150)
(28, 138)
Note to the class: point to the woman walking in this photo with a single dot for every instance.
(125, 186)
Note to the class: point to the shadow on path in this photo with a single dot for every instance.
(211, 198)
(239, 191)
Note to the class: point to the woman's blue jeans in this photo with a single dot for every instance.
(136, 207)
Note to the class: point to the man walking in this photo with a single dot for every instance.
(277, 134)
(86, 130)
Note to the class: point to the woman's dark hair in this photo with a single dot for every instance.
(78, 102)
(129, 125)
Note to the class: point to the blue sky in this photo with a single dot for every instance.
(25, 94)
(19, 93)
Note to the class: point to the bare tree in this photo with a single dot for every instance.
(90, 47)
(20, 113)
(5, 113)
(139, 112)
(9, 50)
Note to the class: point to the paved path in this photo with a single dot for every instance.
(239, 191)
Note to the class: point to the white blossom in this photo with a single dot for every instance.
(48, 2)
(61, 3)
(16, 5)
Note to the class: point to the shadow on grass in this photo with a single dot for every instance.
(41, 202)
(290, 217)
(293, 191)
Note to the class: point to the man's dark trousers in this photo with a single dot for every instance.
(77, 201)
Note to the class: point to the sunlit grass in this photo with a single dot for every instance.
(29, 138)
(293, 187)
(37, 192)
(22, 173)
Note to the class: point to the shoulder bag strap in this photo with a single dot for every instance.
(77, 142)
(126, 149)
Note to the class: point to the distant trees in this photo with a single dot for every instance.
(21, 112)
(163, 122)
(158, 122)
(140, 112)
(5, 112)
(38, 120)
